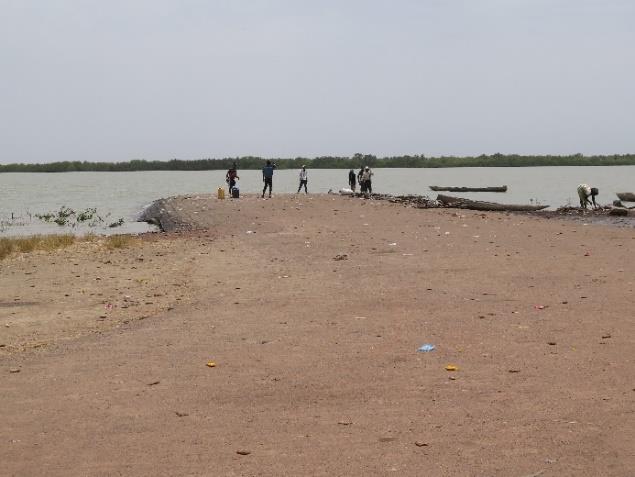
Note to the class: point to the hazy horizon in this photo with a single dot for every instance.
(156, 80)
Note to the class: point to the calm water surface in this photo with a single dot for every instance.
(125, 194)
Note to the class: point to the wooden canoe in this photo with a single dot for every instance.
(626, 196)
(469, 189)
(461, 203)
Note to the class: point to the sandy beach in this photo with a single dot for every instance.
(310, 311)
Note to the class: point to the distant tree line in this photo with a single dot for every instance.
(327, 162)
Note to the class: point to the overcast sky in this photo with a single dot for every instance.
(113, 80)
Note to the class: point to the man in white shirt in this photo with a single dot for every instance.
(303, 180)
(584, 192)
(367, 184)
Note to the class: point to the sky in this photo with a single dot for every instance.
(160, 79)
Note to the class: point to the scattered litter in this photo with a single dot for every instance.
(154, 383)
(340, 257)
(392, 244)
(587, 254)
(539, 307)
(608, 335)
(514, 370)
(551, 343)
(426, 348)
(452, 378)
(181, 414)
(421, 444)
(211, 364)
(108, 306)
(446, 233)
(345, 423)
(250, 232)
(243, 452)
(14, 370)
(451, 367)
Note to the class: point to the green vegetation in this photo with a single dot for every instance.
(72, 218)
(327, 162)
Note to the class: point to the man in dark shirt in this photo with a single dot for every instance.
(352, 179)
(267, 177)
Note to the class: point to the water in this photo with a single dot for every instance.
(125, 194)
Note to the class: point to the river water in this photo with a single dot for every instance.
(124, 194)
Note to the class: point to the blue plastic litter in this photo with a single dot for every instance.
(426, 348)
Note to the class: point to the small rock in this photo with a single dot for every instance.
(551, 343)
(243, 452)
(345, 423)
(14, 370)
(514, 370)
(154, 383)
(421, 444)
(606, 336)
(181, 414)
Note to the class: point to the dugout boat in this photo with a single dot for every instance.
(461, 203)
(469, 189)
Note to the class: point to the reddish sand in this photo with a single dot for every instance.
(312, 309)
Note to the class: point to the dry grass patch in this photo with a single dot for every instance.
(35, 242)
(119, 241)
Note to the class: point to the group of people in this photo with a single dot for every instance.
(364, 177)
(586, 193)
(267, 178)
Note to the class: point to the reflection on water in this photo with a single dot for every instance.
(125, 194)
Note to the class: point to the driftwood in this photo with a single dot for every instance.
(470, 189)
(626, 196)
(461, 203)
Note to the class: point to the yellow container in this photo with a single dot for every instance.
(221, 193)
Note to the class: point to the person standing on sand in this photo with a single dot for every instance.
(352, 180)
(362, 187)
(267, 177)
(584, 192)
(367, 184)
(231, 177)
(303, 180)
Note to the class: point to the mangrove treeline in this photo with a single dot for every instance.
(326, 162)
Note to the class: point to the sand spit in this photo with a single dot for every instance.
(311, 310)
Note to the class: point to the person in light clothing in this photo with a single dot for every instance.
(303, 180)
(584, 192)
(366, 182)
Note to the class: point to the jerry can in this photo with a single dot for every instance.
(221, 193)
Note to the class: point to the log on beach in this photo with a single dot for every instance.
(461, 203)
(626, 196)
(469, 189)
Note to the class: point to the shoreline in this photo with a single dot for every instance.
(169, 214)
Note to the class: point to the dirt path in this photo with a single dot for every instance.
(317, 371)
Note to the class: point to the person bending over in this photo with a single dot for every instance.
(584, 192)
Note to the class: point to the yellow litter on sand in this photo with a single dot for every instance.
(211, 364)
(451, 367)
